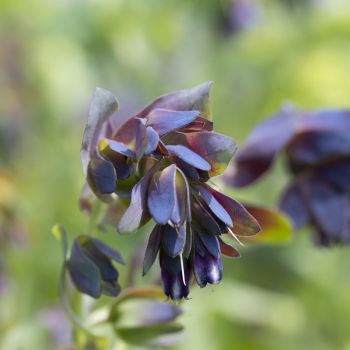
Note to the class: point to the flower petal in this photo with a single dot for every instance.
(86, 199)
(311, 147)
(103, 105)
(171, 274)
(261, 147)
(165, 120)
(102, 262)
(228, 250)
(215, 148)
(153, 139)
(108, 251)
(112, 214)
(152, 249)
(118, 157)
(210, 242)
(206, 268)
(173, 241)
(326, 120)
(118, 147)
(137, 214)
(182, 205)
(337, 173)
(293, 203)
(199, 124)
(84, 273)
(133, 134)
(244, 223)
(161, 194)
(187, 169)
(101, 176)
(215, 205)
(329, 209)
(196, 98)
(188, 156)
(188, 244)
(203, 218)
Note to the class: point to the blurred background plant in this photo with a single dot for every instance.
(53, 55)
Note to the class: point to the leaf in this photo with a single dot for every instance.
(161, 194)
(144, 336)
(151, 249)
(103, 105)
(150, 292)
(188, 156)
(196, 98)
(275, 226)
(165, 120)
(215, 148)
(145, 312)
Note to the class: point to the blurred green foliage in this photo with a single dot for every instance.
(52, 56)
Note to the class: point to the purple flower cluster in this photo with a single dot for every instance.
(159, 162)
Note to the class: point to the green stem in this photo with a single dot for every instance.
(77, 322)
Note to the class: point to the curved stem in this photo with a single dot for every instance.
(77, 322)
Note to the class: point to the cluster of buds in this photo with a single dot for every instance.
(317, 149)
(159, 162)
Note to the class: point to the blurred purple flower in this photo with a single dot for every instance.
(317, 149)
(159, 161)
(57, 323)
(240, 15)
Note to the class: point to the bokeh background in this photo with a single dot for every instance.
(260, 54)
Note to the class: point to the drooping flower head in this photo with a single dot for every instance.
(91, 269)
(317, 149)
(160, 161)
